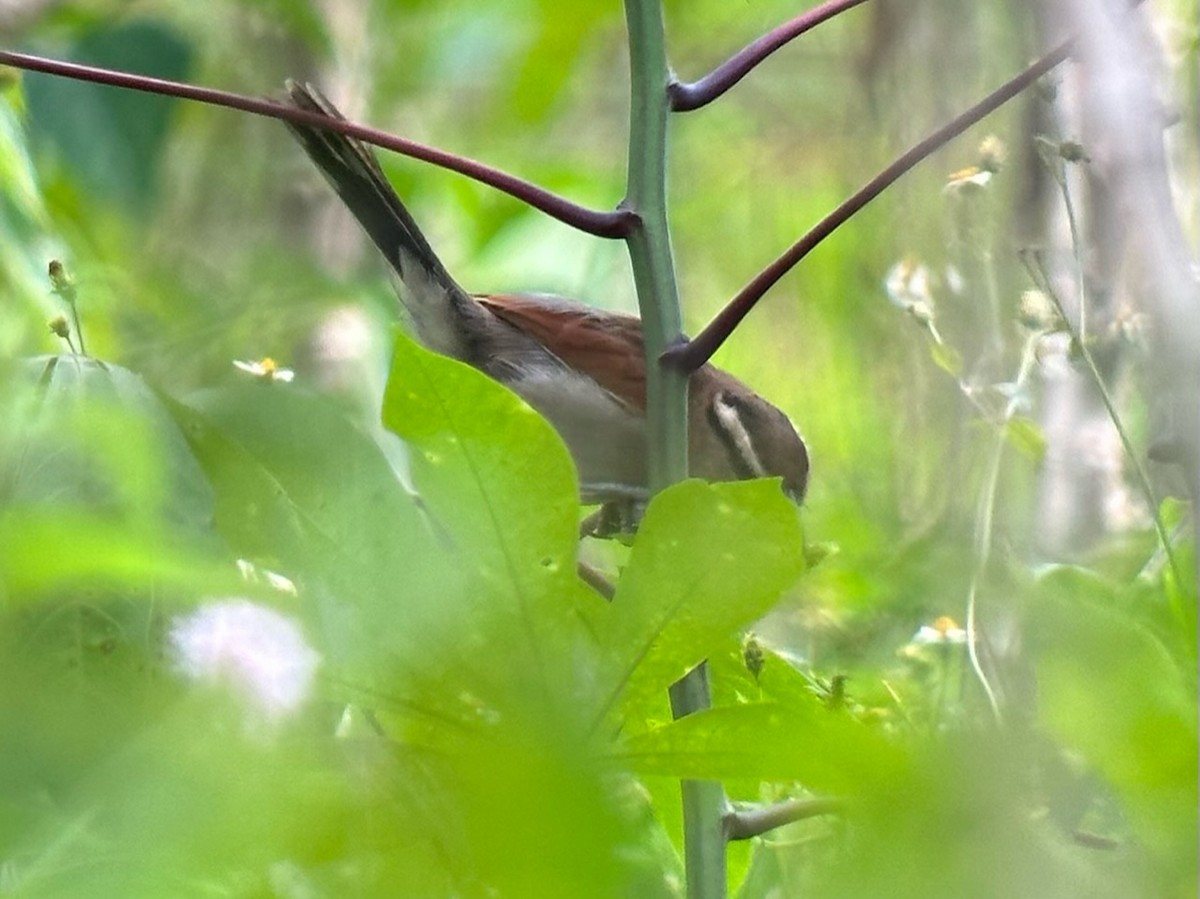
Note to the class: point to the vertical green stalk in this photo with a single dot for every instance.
(650, 243)
(985, 517)
(703, 803)
(666, 388)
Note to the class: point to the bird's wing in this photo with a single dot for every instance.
(608, 350)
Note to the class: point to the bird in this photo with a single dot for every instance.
(583, 368)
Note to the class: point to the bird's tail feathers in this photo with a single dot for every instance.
(433, 298)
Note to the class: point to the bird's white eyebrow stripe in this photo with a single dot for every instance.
(737, 438)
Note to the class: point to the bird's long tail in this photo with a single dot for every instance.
(434, 300)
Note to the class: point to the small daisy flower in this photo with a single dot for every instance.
(971, 178)
(267, 369)
(909, 285)
(944, 631)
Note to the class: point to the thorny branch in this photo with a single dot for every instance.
(686, 96)
(690, 356)
(617, 224)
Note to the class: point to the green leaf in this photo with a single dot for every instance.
(708, 560)
(492, 470)
(99, 486)
(947, 358)
(303, 490)
(1110, 689)
(803, 742)
(113, 139)
(49, 552)
(1024, 434)
(500, 482)
(97, 434)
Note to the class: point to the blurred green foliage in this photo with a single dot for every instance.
(481, 722)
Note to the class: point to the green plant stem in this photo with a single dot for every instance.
(985, 516)
(1037, 271)
(649, 243)
(666, 386)
(704, 805)
(78, 328)
(986, 511)
(1076, 247)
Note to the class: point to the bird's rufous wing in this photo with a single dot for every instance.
(608, 350)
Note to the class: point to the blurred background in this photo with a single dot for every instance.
(959, 447)
(199, 236)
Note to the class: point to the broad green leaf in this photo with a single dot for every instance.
(99, 487)
(45, 551)
(824, 750)
(500, 483)
(304, 491)
(301, 465)
(708, 559)
(496, 475)
(1110, 689)
(502, 486)
(112, 139)
(96, 434)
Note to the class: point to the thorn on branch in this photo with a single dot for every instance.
(708, 341)
(684, 97)
(747, 823)
(595, 579)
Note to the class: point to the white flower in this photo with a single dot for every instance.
(969, 179)
(909, 284)
(256, 651)
(267, 369)
(944, 630)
